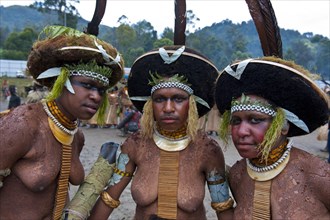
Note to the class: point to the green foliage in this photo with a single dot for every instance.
(132, 54)
(18, 44)
(157, 79)
(192, 19)
(125, 37)
(168, 33)
(145, 34)
(4, 32)
(13, 55)
(162, 42)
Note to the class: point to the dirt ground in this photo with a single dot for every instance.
(95, 137)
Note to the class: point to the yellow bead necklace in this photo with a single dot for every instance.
(180, 133)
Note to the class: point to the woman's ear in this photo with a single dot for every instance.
(285, 128)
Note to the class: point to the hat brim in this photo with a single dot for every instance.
(200, 72)
(280, 84)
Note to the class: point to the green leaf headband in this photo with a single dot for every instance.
(245, 104)
(91, 70)
(176, 81)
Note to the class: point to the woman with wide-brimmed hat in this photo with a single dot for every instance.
(169, 158)
(40, 142)
(263, 103)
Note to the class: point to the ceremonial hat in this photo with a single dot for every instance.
(176, 62)
(282, 83)
(85, 54)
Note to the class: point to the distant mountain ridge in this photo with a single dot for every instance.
(17, 17)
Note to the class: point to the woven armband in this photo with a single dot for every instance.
(222, 206)
(109, 201)
(122, 173)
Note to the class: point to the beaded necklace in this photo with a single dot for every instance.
(60, 120)
(174, 135)
(273, 156)
(274, 165)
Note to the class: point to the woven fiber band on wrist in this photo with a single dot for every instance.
(109, 201)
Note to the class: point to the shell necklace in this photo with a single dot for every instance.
(60, 120)
(270, 171)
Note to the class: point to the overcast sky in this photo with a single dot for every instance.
(303, 16)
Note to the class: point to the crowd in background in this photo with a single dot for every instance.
(34, 93)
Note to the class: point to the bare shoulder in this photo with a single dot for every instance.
(237, 170)
(309, 163)
(25, 120)
(132, 143)
(311, 171)
(23, 115)
(19, 128)
(207, 144)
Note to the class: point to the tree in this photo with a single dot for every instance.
(145, 34)
(20, 42)
(303, 54)
(192, 19)
(162, 42)
(132, 54)
(4, 32)
(67, 12)
(123, 20)
(322, 57)
(126, 37)
(168, 33)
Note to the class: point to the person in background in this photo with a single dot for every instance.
(171, 160)
(212, 121)
(124, 102)
(37, 93)
(131, 122)
(263, 104)
(40, 142)
(14, 99)
(4, 89)
(111, 117)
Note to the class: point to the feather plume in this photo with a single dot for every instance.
(180, 22)
(93, 26)
(265, 21)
